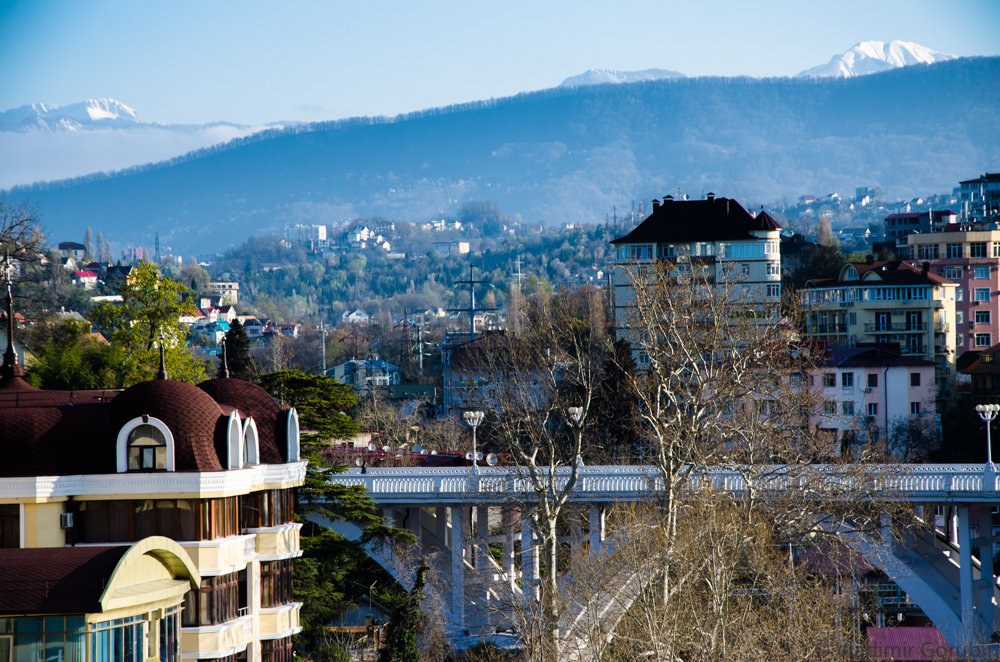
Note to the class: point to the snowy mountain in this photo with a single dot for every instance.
(41, 142)
(599, 76)
(869, 57)
(89, 114)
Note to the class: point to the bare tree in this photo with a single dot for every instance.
(20, 235)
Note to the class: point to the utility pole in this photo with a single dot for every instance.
(472, 309)
(322, 346)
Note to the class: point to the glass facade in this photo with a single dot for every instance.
(69, 639)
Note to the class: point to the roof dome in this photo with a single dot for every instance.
(191, 414)
(252, 400)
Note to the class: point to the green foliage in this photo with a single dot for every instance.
(241, 365)
(401, 636)
(66, 356)
(321, 402)
(150, 310)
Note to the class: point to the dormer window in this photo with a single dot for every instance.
(147, 449)
(145, 444)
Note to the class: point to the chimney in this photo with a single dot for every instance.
(710, 196)
(656, 204)
(924, 268)
(668, 198)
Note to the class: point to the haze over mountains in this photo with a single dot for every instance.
(560, 155)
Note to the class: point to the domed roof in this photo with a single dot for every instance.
(252, 400)
(191, 414)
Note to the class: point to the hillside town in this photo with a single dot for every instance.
(854, 334)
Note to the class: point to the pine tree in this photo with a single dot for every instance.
(241, 365)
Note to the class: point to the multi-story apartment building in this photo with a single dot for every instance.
(717, 235)
(971, 258)
(873, 393)
(980, 198)
(154, 522)
(899, 226)
(887, 302)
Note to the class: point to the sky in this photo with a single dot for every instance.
(249, 62)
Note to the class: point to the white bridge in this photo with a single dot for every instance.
(457, 513)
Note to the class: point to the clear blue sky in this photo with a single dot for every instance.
(183, 61)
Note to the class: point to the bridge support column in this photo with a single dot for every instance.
(529, 560)
(414, 525)
(441, 525)
(967, 600)
(596, 524)
(459, 521)
(483, 565)
(507, 524)
(987, 580)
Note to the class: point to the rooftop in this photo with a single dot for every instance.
(714, 219)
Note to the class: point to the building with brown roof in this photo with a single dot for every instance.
(887, 302)
(164, 503)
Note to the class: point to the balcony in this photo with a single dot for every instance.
(829, 328)
(901, 327)
(213, 641)
(277, 542)
(281, 621)
(222, 555)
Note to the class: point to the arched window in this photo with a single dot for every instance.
(147, 449)
(292, 423)
(251, 446)
(145, 444)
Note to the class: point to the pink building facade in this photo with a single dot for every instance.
(970, 258)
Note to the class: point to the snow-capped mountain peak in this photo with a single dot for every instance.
(869, 57)
(599, 76)
(89, 114)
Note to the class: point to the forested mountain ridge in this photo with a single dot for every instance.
(561, 155)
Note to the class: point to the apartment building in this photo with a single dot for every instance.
(716, 235)
(873, 392)
(887, 302)
(970, 257)
(154, 522)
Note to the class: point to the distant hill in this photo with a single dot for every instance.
(561, 155)
(600, 76)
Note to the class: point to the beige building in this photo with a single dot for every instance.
(887, 302)
(165, 512)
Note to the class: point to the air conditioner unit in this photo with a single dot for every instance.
(869, 389)
(66, 520)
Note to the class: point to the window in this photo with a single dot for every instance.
(954, 250)
(914, 379)
(147, 449)
(872, 381)
(276, 650)
(129, 520)
(267, 508)
(914, 409)
(872, 409)
(981, 294)
(959, 339)
(977, 249)
(959, 317)
(10, 529)
(773, 269)
(275, 583)
(746, 269)
(829, 379)
(928, 252)
(983, 340)
(829, 407)
(982, 317)
(960, 294)
(847, 380)
(774, 291)
(852, 318)
(847, 407)
(952, 273)
(217, 601)
(981, 271)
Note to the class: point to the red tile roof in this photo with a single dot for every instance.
(56, 580)
(908, 643)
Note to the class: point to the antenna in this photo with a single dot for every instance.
(157, 240)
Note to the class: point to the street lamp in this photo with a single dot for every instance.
(988, 413)
(575, 415)
(473, 419)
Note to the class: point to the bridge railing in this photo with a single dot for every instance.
(640, 482)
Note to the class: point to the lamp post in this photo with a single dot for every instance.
(575, 415)
(988, 413)
(473, 419)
